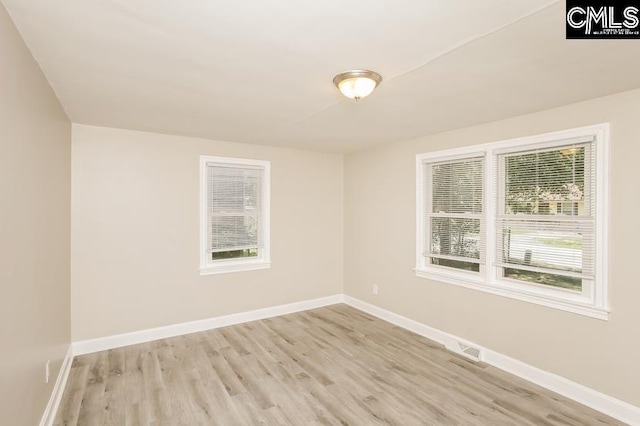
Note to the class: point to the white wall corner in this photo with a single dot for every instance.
(58, 389)
(606, 404)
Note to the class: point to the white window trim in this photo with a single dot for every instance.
(597, 304)
(242, 264)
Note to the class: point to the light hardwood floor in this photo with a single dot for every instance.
(329, 366)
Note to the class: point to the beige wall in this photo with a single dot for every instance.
(35, 144)
(380, 249)
(135, 224)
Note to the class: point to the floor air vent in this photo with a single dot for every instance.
(468, 351)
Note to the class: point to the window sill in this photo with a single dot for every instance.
(234, 266)
(480, 284)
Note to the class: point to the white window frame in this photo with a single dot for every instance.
(593, 302)
(423, 264)
(263, 260)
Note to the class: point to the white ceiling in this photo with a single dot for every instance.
(261, 71)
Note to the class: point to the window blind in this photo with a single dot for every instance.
(453, 212)
(545, 223)
(234, 207)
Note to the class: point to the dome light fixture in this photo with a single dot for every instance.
(357, 84)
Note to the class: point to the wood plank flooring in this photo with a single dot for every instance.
(329, 366)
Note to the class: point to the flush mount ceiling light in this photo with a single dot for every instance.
(357, 84)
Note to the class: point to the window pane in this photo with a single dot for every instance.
(234, 231)
(541, 182)
(456, 187)
(559, 250)
(553, 280)
(547, 183)
(234, 189)
(455, 237)
(234, 254)
(234, 206)
(544, 248)
(457, 264)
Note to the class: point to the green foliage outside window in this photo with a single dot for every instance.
(234, 254)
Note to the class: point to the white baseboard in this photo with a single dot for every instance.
(58, 389)
(142, 336)
(606, 404)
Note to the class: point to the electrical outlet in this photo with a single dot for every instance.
(375, 289)
(46, 371)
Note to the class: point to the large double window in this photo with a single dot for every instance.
(522, 218)
(234, 214)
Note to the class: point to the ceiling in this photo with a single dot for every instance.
(261, 72)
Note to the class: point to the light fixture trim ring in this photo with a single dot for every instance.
(372, 75)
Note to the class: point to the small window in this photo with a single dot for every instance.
(524, 219)
(234, 214)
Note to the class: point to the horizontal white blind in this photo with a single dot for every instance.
(233, 207)
(453, 210)
(546, 202)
